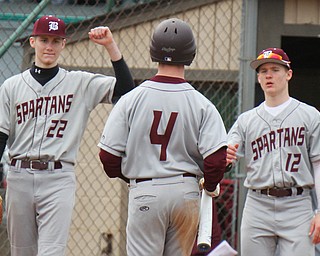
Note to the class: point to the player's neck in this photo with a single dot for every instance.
(171, 70)
(277, 100)
(43, 75)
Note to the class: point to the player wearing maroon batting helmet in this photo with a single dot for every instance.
(160, 137)
(43, 113)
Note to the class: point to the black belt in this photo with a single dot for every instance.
(184, 175)
(36, 164)
(279, 192)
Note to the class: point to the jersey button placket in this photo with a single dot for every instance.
(276, 168)
(39, 132)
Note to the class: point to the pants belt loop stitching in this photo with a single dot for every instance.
(18, 164)
(51, 165)
(294, 191)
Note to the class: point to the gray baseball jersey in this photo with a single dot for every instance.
(163, 131)
(278, 150)
(166, 140)
(47, 122)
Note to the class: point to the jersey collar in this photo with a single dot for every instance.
(167, 79)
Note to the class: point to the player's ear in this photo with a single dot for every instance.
(64, 41)
(32, 41)
(289, 74)
(258, 78)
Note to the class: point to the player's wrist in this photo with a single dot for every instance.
(214, 193)
(317, 211)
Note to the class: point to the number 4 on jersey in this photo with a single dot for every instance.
(162, 139)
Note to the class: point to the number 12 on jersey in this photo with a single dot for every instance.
(293, 161)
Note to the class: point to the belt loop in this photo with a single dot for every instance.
(268, 192)
(294, 191)
(51, 166)
(133, 182)
(17, 165)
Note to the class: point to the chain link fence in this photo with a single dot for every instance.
(100, 213)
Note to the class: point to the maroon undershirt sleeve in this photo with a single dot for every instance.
(214, 168)
(112, 165)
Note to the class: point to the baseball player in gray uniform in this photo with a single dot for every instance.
(159, 137)
(279, 140)
(43, 113)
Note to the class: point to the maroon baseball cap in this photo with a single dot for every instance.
(273, 55)
(49, 26)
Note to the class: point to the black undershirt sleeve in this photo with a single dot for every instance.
(124, 78)
(3, 142)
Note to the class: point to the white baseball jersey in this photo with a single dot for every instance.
(279, 149)
(47, 122)
(163, 130)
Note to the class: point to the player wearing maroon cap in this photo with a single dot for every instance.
(279, 140)
(49, 26)
(43, 113)
(159, 137)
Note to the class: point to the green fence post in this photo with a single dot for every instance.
(23, 26)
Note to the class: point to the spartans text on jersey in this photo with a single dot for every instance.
(47, 105)
(282, 137)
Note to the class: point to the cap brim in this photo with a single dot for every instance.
(48, 35)
(257, 63)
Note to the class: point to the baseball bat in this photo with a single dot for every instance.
(1, 210)
(205, 224)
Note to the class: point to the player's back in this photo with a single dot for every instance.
(172, 127)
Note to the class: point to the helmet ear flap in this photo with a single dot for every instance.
(173, 43)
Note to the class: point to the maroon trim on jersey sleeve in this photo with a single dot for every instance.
(214, 168)
(112, 165)
(167, 79)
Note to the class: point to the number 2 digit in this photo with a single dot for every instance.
(57, 128)
(160, 139)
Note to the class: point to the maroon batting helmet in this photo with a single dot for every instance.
(49, 26)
